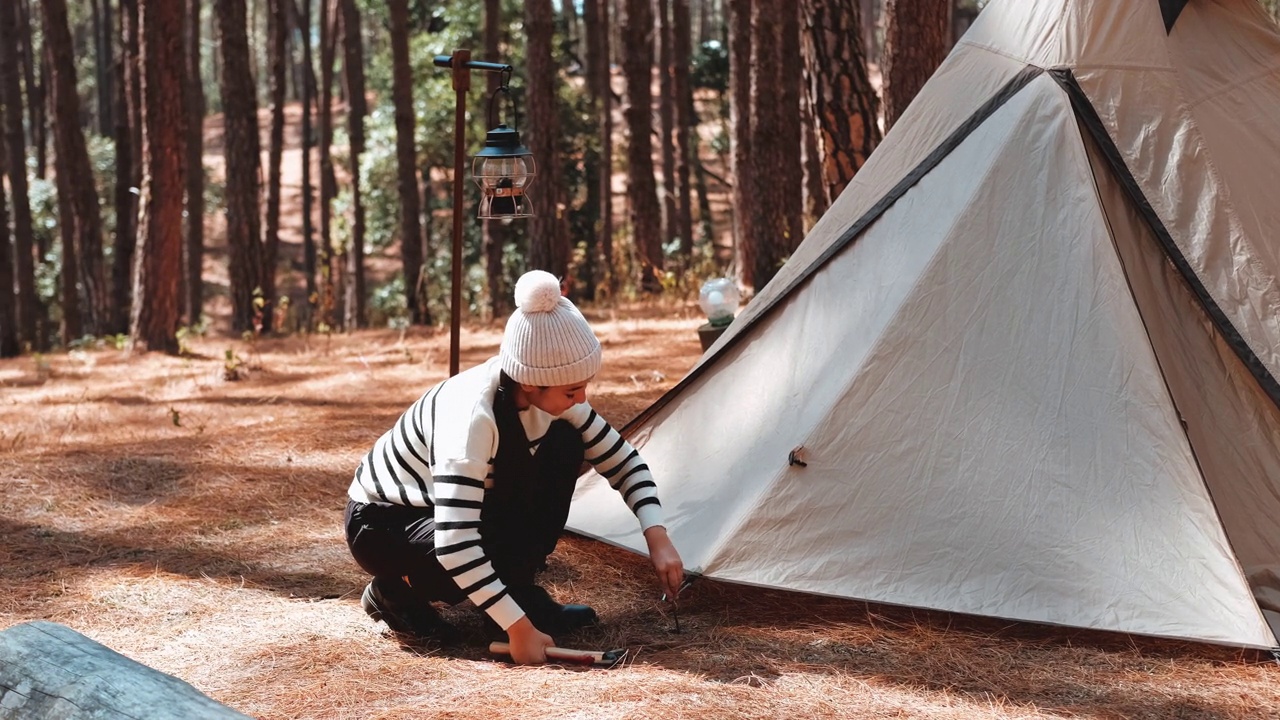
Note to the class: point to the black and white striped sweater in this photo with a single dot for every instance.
(440, 453)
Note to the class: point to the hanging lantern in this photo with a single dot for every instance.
(504, 169)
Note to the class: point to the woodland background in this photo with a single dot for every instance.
(285, 164)
(270, 166)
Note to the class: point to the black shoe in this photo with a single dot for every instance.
(408, 618)
(548, 615)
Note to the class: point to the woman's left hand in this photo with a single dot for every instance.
(666, 561)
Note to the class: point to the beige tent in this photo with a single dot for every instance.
(1026, 365)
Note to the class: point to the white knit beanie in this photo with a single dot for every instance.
(547, 341)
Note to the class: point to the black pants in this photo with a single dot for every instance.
(523, 516)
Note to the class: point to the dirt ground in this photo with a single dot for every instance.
(193, 523)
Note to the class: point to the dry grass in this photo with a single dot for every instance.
(194, 524)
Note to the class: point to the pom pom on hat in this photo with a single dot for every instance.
(537, 291)
(547, 342)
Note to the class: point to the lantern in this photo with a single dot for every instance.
(719, 300)
(504, 169)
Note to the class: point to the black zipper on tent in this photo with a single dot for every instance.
(1089, 118)
(973, 122)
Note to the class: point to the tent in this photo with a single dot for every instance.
(1025, 367)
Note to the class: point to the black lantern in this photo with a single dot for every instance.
(504, 169)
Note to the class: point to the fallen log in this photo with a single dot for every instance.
(48, 670)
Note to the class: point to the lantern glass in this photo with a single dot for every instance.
(503, 180)
(719, 300)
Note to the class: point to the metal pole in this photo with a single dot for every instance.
(461, 65)
(461, 83)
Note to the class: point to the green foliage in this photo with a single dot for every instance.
(709, 67)
(388, 304)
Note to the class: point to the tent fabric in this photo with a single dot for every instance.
(1025, 356)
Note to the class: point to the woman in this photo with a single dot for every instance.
(467, 494)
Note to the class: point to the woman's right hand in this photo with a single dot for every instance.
(528, 643)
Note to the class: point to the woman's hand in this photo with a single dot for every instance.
(528, 643)
(666, 561)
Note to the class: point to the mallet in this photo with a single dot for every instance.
(599, 658)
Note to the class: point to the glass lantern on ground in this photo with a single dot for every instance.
(504, 169)
(718, 298)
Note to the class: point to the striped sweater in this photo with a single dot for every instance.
(440, 454)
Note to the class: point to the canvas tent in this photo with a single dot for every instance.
(1025, 366)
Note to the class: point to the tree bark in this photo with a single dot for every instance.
(843, 102)
(547, 237)
(277, 43)
(666, 123)
(686, 122)
(33, 69)
(242, 151)
(328, 186)
(353, 70)
(590, 271)
(494, 237)
(308, 231)
(158, 270)
(637, 65)
(193, 273)
(73, 166)
(49, 670)
(740, 135)
(106, 95)
(26, 305)
(604, 82)
(775, 142)
(127, 168)
(9, 345)
(916, 40)
(406, 162)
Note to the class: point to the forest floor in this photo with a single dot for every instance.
(187, 513)
(193, 522)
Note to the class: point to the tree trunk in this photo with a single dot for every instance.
(158, 270)
(917, 37)
(572, 35)
(48, 670)
(547, 238)
(127, 166)
(32, 68)
(106, 95)
(815, 194)
(406, 161)
(867, 28)
(242, 150)
(26, 305)
(193, 274)
(277, 42)
(592, 168)
(73, 166)
(328, 186)
(605, 89)
(495, 236)
(637, 65)
(840, 95)
(666, 124)
(775, 143)
(308, 232)
(740, 136)
(686, 122)
(299, 19)
(353, 70)
(9, 345)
